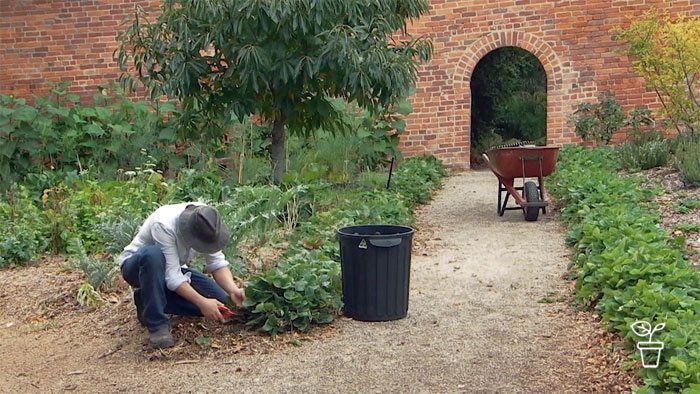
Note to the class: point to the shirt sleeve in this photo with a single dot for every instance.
(215, 261)
(166, 239)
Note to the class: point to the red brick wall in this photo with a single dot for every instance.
(43, 40)
(59, 40)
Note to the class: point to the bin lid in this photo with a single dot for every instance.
(376, 231)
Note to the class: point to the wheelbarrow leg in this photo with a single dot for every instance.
(543, 192)
(501, 207)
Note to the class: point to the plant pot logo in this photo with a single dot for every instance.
(650, 350)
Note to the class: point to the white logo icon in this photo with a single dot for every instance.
(650, 350)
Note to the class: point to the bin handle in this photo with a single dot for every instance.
(385, 242)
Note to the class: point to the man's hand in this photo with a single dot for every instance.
(208, 306)
(210, 309)
(237, 296)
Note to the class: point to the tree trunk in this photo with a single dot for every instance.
(278, 156)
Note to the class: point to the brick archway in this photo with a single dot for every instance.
(536, 46)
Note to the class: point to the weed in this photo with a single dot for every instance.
(687, 205)
(88, 296)
(687, 228)
(44, 325)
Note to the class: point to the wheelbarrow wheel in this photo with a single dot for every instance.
(531, 194)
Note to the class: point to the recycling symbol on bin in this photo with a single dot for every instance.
(363, 244)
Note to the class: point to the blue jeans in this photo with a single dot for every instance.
(145, 270)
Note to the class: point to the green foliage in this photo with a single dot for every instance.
(126, 204)
(418, 177)
(26, 228)
(644, 151)
(486, 141)
(71, 210)
(664, 51)
(193, 185)
(59, 135)
(301, 290)
(339, 158)
(378, 135)
(687, 228)
(98, 270)
(368, 207)
(256, 212)
(687, 158)
(626, 266)
(687, 205)
(78, 208)
(598, 122)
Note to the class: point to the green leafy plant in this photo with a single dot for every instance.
(98, 271)
(687, 205)
(203, 340)
(687, 228)
(417, 177)
(60, 135)
(29, 228)
(626, 266)
(301, 290)
(256, 212)
(598, 122)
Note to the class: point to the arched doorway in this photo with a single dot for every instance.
(508, 100)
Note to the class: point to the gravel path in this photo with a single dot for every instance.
(474, 324)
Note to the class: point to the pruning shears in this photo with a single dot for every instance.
(225, 312)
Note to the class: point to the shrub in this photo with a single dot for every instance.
(599, 121)
(26, 229)
(687, 152)
(662, 47)
(644, 151)
(59, 134)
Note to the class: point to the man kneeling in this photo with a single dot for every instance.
(153, 264)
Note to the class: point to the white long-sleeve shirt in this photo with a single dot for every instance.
(160, 228)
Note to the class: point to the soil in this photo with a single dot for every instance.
(489, 312)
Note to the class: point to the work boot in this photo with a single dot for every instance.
(161, 339)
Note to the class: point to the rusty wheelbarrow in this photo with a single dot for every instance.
(509, 162)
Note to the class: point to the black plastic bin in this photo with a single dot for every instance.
(376, 264)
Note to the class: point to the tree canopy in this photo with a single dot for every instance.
(665, 51)
(280, 60)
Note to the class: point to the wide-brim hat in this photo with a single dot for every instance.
(202, 228)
